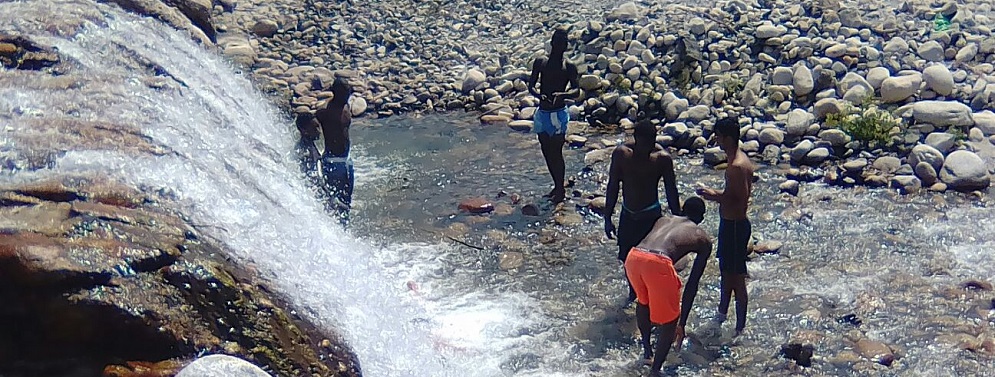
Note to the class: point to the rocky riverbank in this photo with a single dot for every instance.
(839, 89)
(102, 279)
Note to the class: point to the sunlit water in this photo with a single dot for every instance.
(412, 303)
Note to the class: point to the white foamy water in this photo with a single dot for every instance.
(231, 166)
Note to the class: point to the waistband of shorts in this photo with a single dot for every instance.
(336, 159)
(651, 252)
(733, 222)
(564, 108)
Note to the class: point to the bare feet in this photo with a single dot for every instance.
(647, 357)
(738, 333)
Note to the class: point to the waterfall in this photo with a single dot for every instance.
(208, 138)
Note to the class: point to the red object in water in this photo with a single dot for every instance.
(476, 205)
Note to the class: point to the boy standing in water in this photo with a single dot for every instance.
(336, 165)
(637, 168)
(553, 74)
(650, 268)
(734, 228)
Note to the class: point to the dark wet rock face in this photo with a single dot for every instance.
(102, 280)
(20, 53)
(800, 353)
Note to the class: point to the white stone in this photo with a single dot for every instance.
(799, 152)
(768, 30)
(826, 106)
(896, 45)
(803, 81)
(941, 141)
(835, 137)
(876, 75)
(781, 76)
(221, 366)
(966, 53)
(590, 82)
(357, 105)
(925, 153)
(939, 79)
(771, 136)
(985, 121)
(798, 122)
(473, 78)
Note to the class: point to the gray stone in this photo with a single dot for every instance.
(677, 130)
(265, 28)
(771, 136)
(633, 73)
(521, 125)
(221, 366)
(896, 45)
(906, 184)
(941, 141)
(926, 173)
(751, 146)
(697, 26)
(966, 53)
(924, 153)
(939, 79)
(472, 79)
(803, 81)
(698, 113)
(897, 89)
(768, 30)
(817, 156)
(675, 108)
(837, 138)
(965, 171)
(856, 95)
(876, 75)
(826, 106)
(836, 50)
(887, 164)
(985, 121)
(357, 105)
(790, 187)
(590, 82)
(714, 156)
(942, 113)
(852, 79)
(798, 122)
(799, 152)
(851, 17)
(931, 51)
(781, 76)
(854, 167)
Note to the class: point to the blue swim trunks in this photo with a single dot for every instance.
(339, 177)
(551, 122)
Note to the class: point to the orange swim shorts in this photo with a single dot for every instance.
(656, 283)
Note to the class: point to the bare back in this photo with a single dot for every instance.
(640, 176)
(739, 187)
(676, 237)
(335, 120)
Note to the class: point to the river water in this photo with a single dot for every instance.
(412, 302)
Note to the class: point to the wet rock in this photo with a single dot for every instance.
(510, 260)
(850, 319)
(926, 173)
(476, 205)
(597, 204)
(906, 184)
(144, 286)
(768, 247)
(965, 171)
(492, 119)
(530, 210)
(521, 125)
(976, 285)
(790, 187)
(942, 113)
(570, 219)
(145, 368)
(221, 366)
(876, 351)
(800, 353)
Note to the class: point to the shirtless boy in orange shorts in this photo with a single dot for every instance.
(650, 268)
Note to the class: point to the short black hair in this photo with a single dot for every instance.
(694, 209)
(645, 129)
(303, 119)
(559, 36)
(727, 127)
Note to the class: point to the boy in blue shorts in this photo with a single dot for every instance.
(553, 74)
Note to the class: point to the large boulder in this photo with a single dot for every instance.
(942, 113)
(221, 366)
(965, 171)
(170, 15)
